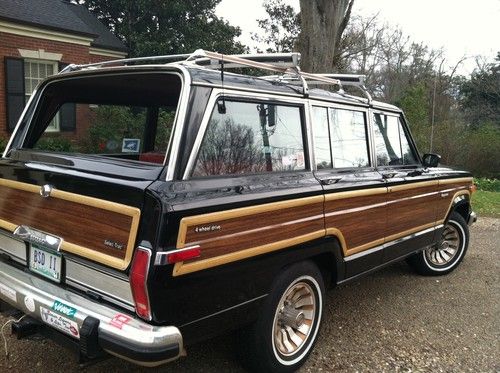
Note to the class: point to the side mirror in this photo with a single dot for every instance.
(431, 160)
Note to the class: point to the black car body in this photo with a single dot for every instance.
(188, 231)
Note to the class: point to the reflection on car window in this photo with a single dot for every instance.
(391, 143)
(251, 137)
(348, 136)
(322, 150)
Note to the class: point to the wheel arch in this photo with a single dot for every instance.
(461, 204)
(327, 256)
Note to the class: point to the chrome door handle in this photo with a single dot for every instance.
(389, 175)
(331, 181)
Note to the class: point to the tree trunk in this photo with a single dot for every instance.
(322, 22)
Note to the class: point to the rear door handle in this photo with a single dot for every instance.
(331, 180)
(389, 175)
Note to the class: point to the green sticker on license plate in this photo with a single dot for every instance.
(45, 262)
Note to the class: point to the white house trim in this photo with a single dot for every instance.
(40, 33)
(107, 52)
(40, 55)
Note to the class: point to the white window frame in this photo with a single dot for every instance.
(54, 125)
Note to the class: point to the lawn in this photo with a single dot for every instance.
(486, 203)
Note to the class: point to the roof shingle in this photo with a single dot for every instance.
(61, 16)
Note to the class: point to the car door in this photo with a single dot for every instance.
(355, 193)
(247, 195)
(412, 192)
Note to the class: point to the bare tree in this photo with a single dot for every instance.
(322, 25)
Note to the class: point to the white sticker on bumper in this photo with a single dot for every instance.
(59, 322)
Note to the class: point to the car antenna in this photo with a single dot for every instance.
(221, 106)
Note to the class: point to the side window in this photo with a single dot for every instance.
(251, 137)
(321, 133)
(348, 138)
(391, 143)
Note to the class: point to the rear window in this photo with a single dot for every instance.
(128, 116)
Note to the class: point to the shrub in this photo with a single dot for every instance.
(490, 185)
(54, 144)
(3, 144)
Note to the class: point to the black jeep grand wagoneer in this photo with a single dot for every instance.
(145, 205)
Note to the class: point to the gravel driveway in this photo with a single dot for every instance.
(393, 320)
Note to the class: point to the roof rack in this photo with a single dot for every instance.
(287, 64)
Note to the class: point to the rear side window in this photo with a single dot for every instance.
(340, 138)
(391, 142)
(251, 137)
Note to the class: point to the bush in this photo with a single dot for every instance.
(490, 185)
(3, 144)
(54, 144)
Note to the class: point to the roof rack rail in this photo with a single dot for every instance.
(127, 61)
(351, 80)
(287, 64)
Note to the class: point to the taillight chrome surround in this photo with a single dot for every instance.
(165, 257)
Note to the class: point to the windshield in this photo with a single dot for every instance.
(126, 116)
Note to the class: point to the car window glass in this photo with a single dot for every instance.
(391, 145)
(322, 151)
(348, 138)
(251, 137)
(408, 154)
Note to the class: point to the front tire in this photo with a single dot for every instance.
(446, 255)
(283, 335)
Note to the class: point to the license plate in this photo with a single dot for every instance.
(45, 262)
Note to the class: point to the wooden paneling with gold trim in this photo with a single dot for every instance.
(448, 190)
(244, 232)
(84, 223)
(410, 206)
(357, 218)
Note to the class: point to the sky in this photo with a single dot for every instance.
(462, 28)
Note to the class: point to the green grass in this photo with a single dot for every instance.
(486, 203)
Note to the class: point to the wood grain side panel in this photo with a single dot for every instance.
(410, 208)
(245, 232)
(448, 190)
(83, 223)
(240, 233)
(361, 220)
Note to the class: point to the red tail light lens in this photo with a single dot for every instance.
(138, 282)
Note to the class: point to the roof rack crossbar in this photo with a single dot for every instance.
(286, 64)
(351, 80)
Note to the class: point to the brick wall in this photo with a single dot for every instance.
(9, 45)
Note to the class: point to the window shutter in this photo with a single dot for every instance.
(67, 112)
(14, 89)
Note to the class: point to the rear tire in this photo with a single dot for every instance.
(445, 255)
(287, 327)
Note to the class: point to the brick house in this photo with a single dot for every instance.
(38, 38)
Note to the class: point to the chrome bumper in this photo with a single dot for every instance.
(472, 218)
(118, 334)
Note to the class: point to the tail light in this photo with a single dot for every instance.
(138, 282)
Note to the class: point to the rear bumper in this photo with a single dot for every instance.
(472, 218)
(87, 321)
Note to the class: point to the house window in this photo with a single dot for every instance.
(34, 72)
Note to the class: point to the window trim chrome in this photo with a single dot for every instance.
(180, 112)
(236, 94)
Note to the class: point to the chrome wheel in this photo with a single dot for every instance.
(294, 319)
(447, 248)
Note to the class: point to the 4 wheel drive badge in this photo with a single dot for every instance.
(45, 190)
